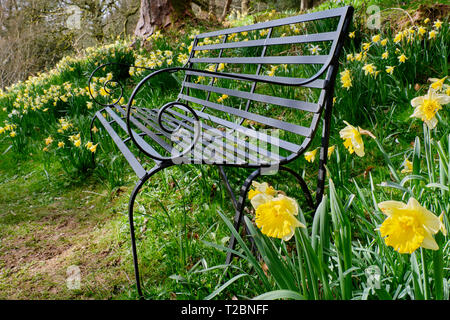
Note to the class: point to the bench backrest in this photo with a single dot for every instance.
(300, 53)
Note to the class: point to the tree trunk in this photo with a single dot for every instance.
(226, 8)
(160, 14)
(244, 7)
(212, 9)
(306, 4)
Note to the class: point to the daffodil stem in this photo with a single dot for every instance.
(426, 290)
(438, 268)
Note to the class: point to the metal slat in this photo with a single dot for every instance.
(258, 70)
(317, 59)
(129, 156)
(241, 142)
(279, 22)
(317, 84)
(314, 37)
(295, 104)
(289, 146)
(303, 131)
(207, 136)
(146, 131)
(153, 114)
(137, 137)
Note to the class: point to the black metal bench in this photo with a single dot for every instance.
(232, 109)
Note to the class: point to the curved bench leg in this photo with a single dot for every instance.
(303, 186)
(240, 211)
(228, 186)
(240, 205)
(133, 195)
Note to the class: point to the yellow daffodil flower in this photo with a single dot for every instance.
(48, 140)
(408, 226)
(330, 151)
(351, 35)
(263, 32)
(384, 42)
(437, 24)
(310, 156)
(276, 218)
(271, 73)
(366, 46)
(222, 98)
(376, 38)
(346, 79)
(407, 166)
(421, 30)
(398, 37)
(352, 139)
(77, 143)
(428, 105)
(93, 148)
(61, 144)
(262, 188)
(437, 84)
(199, 79)
(432, 34)
(385, 55)
(390, 69)
(103, 92)
(402, 58)
(369, 69)
(261, 193)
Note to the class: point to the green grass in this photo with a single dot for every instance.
(62, 222)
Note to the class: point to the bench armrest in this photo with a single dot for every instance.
(108, 82)
(176, 154)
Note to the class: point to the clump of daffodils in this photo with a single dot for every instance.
(409, 226)
(346, 79)
(310, 156)
(275, 213)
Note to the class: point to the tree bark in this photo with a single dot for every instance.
(244, 6)
(160, 14)
(212, 8)
(226, 8)
(306, 4)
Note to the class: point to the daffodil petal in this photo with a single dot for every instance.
(389, 207)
